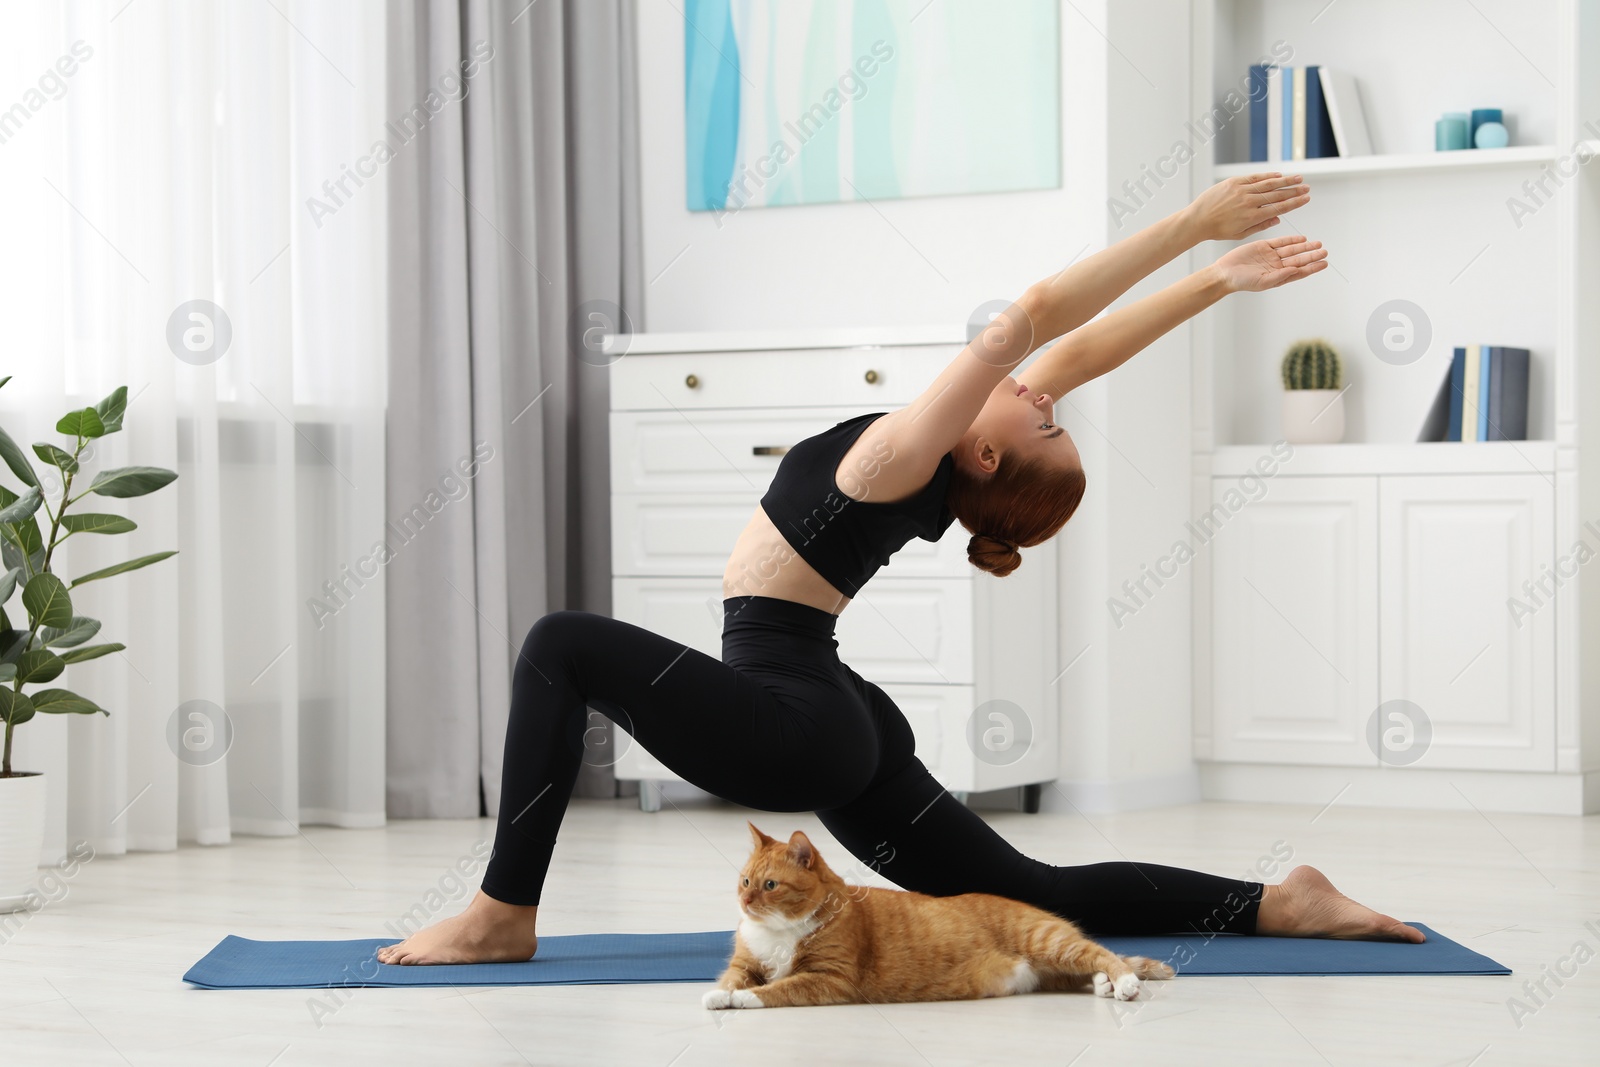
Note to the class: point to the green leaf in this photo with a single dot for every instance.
(111, 408)
(64, 702)
(78, 655)
(79, 630)
(17, 460)
(4, 380)
(20, 540)
(118, 568)
(15, 708)
(37, 665)
(8, 671)
(46, 600)
(131, 481)
(22, 509)
(8, 585)
(12, 556)
(12, 642)
(85, 423)
(56, 457)
(102, 524)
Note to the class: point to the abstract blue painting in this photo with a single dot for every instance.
(818, 101)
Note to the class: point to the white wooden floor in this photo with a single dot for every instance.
(94, 978)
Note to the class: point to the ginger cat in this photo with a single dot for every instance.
(808, 937)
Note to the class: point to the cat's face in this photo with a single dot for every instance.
(782, 879)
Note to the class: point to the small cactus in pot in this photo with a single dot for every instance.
(1313, 400)
(1312, 364)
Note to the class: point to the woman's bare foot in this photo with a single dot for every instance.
(489, 931)
(1305, 904)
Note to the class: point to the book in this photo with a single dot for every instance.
(1320, 141)
(1485, 375)
(1469, 393)
(1344, 113)
(1508, 394)
(1258, 112)
(1458, 391)
(1275, 113)
(1297, 117)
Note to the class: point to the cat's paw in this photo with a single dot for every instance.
(1125, 988)
(719, 998)
(745, 998)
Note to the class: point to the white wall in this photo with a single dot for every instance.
(1125, 704)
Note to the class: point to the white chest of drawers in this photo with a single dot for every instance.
(698, 426)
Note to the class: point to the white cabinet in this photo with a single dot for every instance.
(1332, 596)
(1456, 553)
(1295, 586)
(698, 426)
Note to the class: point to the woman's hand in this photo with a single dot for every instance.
(1270, 263)
(1235, 208)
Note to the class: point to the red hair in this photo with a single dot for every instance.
(1021, 504)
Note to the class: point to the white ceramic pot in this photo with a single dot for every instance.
(1313, 416)
(21, 838)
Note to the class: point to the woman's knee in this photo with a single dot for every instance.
(557, 639)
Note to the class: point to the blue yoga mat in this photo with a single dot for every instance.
(614, 959)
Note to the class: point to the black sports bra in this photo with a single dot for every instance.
(846, 540)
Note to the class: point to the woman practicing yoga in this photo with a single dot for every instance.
(780, 724)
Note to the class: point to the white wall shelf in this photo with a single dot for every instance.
(1349, 166)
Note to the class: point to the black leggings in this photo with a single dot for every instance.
(780, 724)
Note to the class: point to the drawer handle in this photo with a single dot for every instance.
(872, 377)
(692, 382)
(769, 450)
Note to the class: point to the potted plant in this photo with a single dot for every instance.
(47, 635)
(1313, 394)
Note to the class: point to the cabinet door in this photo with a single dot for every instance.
(1295, 644)
(1456, 552)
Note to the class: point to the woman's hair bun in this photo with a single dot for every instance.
(991, 554)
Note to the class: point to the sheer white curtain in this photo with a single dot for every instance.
(165, 152)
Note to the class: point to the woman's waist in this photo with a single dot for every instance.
(765, 565)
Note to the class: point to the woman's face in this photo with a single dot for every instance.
(1018, 423)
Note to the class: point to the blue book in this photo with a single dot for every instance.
(1258, 112)
(1287, 114)
(1508, 395)
(1484, 376)
(1458, 374)
(1320, 141)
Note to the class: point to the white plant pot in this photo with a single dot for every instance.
(1313, 416)
(21, 838)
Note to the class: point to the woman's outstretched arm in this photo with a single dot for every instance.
(1106, 344)
(1228, 211)
(931, 425)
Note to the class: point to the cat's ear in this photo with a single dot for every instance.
(761, 840)
(800, 850)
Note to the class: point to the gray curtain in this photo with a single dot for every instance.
(512, 203)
